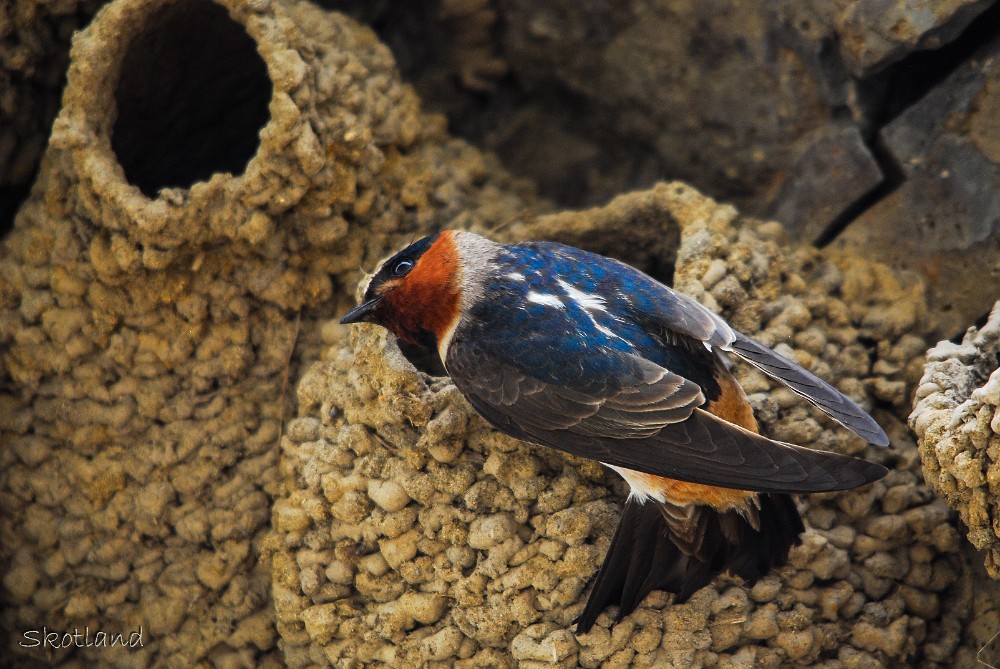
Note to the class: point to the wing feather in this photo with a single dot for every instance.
(649, 422)
(662, 311)
(687, 317)
(821, 394)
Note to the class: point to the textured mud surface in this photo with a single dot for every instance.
(412, 533)
(149, 346)
(957, 419)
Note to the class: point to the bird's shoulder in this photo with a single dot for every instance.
(567, 316)
(554, 312)
(534, 274)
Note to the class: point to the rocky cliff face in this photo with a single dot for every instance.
(191, 444)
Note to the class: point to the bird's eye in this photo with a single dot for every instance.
(402, 267)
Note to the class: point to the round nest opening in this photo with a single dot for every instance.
(192, 97)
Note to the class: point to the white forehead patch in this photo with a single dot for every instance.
(586, 301)
(547, 300)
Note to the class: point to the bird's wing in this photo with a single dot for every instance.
(821, 394)
(646, 420)
(660, 310)
(638, 402)
(658, 307)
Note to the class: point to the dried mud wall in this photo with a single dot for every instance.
(156, 294)
(956, 416)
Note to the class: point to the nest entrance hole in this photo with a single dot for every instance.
(192, 97)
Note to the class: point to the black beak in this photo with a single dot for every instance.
(361, 312)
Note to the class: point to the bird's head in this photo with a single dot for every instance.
(416, 294)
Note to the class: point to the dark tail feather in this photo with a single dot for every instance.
(650, 551)
(640, 555)
(757, 553)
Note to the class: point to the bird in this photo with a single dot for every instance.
(579, 352)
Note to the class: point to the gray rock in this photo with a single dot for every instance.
(720, 94)
(948, 146)
(876, 33)
(944, 220)
(741, 99)
(835, 169)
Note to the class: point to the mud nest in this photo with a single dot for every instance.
(956, 416)
(157, 293)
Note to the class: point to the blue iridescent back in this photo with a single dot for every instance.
(567, 316)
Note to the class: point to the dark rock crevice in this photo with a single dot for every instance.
(891, 178)
(886, 94)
